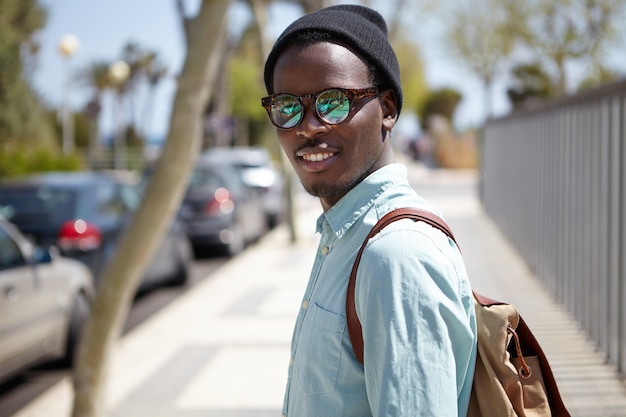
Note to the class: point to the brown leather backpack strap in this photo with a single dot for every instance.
(531, 347)
(486, 301)
(354, 325)
(529, 343)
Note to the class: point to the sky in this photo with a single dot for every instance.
(103, 28)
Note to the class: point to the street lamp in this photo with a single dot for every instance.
(119, 71)
(67, 47)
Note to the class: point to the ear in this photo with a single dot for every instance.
(389, 108)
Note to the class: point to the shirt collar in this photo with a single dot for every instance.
(347, 211)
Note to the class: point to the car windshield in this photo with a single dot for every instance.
(37, 205)
(203, 180)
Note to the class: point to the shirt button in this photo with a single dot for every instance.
(292, 360)
(325, 250)
(305, 304)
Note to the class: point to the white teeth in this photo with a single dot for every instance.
(317, 157)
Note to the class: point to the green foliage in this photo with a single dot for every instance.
(82, 126)
(488, 34)
(478, 36)
(246, 78)
(95, 76)
(530, 81)
(22, 117)
(600, 75)
(441, 102)
(561, 32)
(22, 161)
(146, 69)
(133, 139)
(246, 89)
(414, 87)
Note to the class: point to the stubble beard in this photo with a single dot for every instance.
(334, 190)
(324, 190)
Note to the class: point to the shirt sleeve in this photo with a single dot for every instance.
(415, 326)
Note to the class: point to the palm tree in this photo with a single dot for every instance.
(155, 71)
(144, 66)
(95, 76)
(135, 56)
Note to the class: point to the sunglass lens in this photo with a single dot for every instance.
(286, 111)
(333, 106)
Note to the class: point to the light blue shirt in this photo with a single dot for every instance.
(415, 304)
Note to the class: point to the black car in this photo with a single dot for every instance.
(219, 210)
(44, 301)
(84, 215)
(257, 171)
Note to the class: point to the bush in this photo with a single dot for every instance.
(440, 102)
(20, 162)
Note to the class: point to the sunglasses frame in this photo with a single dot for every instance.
(350, 93)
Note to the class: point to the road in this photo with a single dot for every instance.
(18, 392)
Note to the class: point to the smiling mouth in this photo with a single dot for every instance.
(317, 157)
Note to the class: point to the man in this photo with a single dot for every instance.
(335, 96)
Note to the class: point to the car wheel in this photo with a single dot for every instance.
(180, 278)
(272, 221)
(80, 312)
(238, 242)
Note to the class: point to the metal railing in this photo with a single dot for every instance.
(554, 181)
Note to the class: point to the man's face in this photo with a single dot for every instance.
(330, 160)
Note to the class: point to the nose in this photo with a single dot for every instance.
(311, 125)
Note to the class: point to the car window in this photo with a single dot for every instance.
(131, 196)
(203, 179)
(10, 254)
(109, 199)
(37, 205)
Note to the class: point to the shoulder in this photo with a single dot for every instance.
(410, 237)
(410, 248)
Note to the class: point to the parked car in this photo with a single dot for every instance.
(219, 210)
(84, 215)
(257, 171)
(44, 301)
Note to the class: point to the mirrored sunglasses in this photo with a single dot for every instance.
(332, 106)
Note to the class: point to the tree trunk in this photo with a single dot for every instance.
(185, 22)
(488, 99)
(162, 198)
(259, 10)
(561, 83)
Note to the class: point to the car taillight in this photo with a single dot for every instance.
(220, 203)
(79, 235)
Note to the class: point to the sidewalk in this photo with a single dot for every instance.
(222, 349)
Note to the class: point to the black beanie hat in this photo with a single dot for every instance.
(362, 29)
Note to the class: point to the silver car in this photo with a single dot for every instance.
(219, 210)
(257, 171)
(44, 301)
